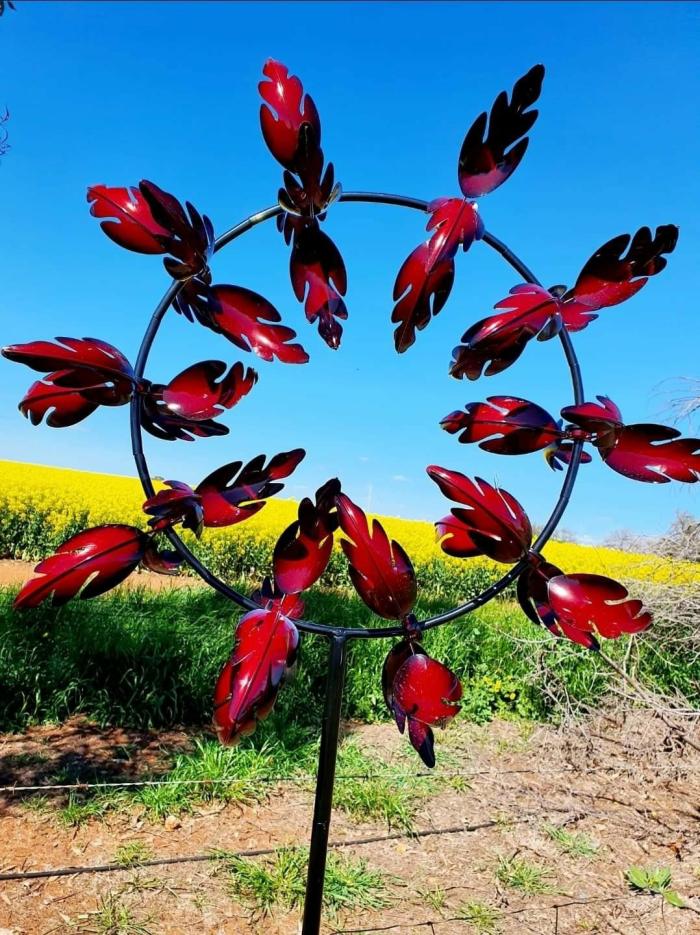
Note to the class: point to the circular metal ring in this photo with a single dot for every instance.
(306, 625)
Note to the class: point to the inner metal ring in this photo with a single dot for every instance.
(307, 625)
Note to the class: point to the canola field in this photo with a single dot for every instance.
(42, 506)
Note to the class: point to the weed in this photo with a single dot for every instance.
(482, 917)
(133, 852)
(436, 898)
(519, 874)
(573, 843)
(653, 880)
(386, 794)
(279, 881)
(112, 917)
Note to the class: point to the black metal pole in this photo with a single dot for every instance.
(325, 780)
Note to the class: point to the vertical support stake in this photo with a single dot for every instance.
(325, 779)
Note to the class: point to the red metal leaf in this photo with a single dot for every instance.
(269, 596)
(162, 422)
(533, 595)
(396, 657)
(191, 235)
(486, 160)
(245, 693)
(380, 570)
(601, 421)
(496, 342)
(233, 493)
(654, 454)
(609, 278)
(179, 504)
(288, 110)
(425, 692)
(89, 563)
(66, 405)
(303, 551)
(77, 356)
(132, 225)
(161, 561)
(593, 603)
(195, 394)
(425, 280)
(319, 279)
(560, 453)
(506, 425)
(494, 522)
(246, 318)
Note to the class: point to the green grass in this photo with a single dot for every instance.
(132, 853)
(144, 659)
(279, 882)
(483, 918)
(573, 843)
(528, 878)
(111, 917)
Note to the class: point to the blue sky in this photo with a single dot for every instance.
(115, 92)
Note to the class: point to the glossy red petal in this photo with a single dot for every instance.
(233, 492)
(164, 423)
(319, 280)
(611, 275)
(506, 425)
(455, 538)
(77, 355)
(494, 520)
(196, 394)
(178, 504)
(65, 405)
(89, 563)
(601, 421)
(395, 658)
(191, 235)
(303, 551)
(425, 280)
(487, 159)
(533, 595)
(269, 597)
(250, 322)
(132, 224)
(593, 602)
(426, 690)
(560, 453)
(284, 113)
(161, 561)
(264, 652)
(380, 570)
(654, 454)
(493, 344)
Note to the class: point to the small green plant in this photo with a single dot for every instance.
(131, 853)
(386, 794)
(436, 898)
(519, 874)
(573, 843)
(482, 917)
(654, 880)
(112, 917)
(279, 881)
(81, 808)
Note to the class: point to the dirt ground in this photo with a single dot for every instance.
(628, 783)
(13, 574)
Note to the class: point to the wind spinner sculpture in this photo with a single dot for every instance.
(82, 374)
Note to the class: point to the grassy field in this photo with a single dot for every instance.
(143, 659)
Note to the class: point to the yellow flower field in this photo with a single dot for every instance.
(65, 496)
